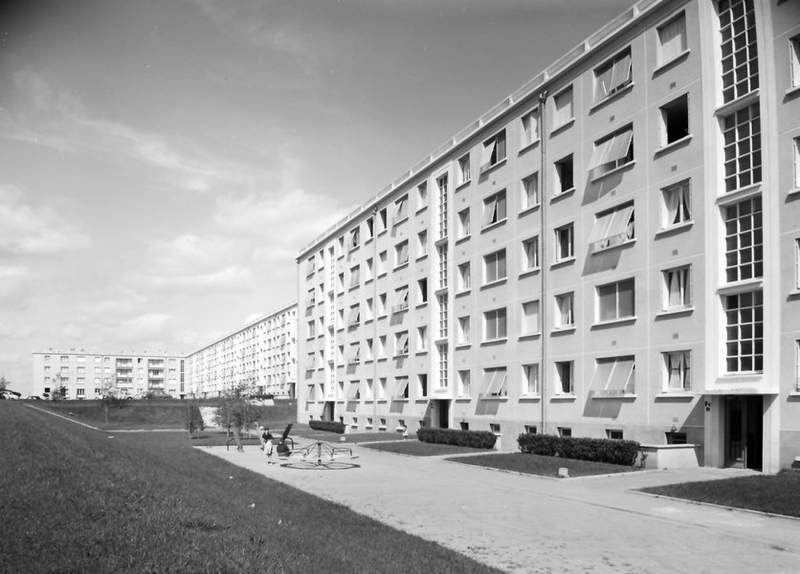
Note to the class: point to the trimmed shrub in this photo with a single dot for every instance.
(329, 426)
(472, 439)
(612, 451)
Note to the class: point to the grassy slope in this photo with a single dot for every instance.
(73, 499)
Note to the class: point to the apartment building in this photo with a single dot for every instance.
(612, 251)
(92, 375)
(261, 356)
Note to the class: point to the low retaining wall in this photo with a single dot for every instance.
(670, 456)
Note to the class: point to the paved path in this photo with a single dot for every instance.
(527, 524)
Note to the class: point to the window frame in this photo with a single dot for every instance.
(531, 323)
(612, 65)
(559, 243)
(667, 113)
(683, 368)
(530, 192)
(683, 276)
(529, 128)
(497, 262)
(495, 209)
(682, 205)
(616, 315)
(561, 107)
(531, 260)
(494, 152)
(665, 55)
(464, 170)
(495, 325)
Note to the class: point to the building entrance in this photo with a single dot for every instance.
(442, 413)
(327, 412)
(744, 431)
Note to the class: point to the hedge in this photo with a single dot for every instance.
(472, 439)
(330, 426)
(623, 452)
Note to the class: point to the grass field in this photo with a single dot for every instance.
(77, 500)
(543, 465)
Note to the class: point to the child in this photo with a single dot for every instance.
(267, 438)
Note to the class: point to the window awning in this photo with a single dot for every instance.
(614, 377)
(610, 228)
(355, 316)
(401, 301)
(611, 150)
(402, 253)
(494, 382)
(401, 384)
(402, 344)
(401, 209)
(353, 389)
(354, 354)
(486, 155)
(617, 76)
(311, 266)
(310, 393)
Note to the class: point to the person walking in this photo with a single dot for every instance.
(267, 438)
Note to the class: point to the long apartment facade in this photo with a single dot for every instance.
(88, 376)
(261, 356)
(612, 251)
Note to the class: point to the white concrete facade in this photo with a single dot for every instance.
(261, 356)
(613, 250)
(92, 375)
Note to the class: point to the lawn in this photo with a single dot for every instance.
(414, 447)
(77, 500)
(542, 465)
(775, 494)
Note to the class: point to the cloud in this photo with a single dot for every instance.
(28, 230)
(230, 278)
(146, 325)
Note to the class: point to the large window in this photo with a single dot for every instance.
(494, 208)
(612, 228)
(616, 301)
(742, 148)
(565, 247)
(565, 177)
(674, 120)
(613, 75)
(463, 169)
(611, 152)
(530, 380)
(564, 378)
(401, 253)
(676, 204)
(677, 369)
(744, 319)
(530, 128)
(676, 292)
(494, 324)
(494, 382)
(354, 318)
(564, 111)
(672, 39)
(464, 386)
(565, 312)
(401, 344)
(614, 376)
(738, 48)
(494, 266)
(494, 151)
(400, 209)
(744, 253)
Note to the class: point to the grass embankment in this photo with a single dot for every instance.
(776, 494)
(543, 465)
(156, 414)
(75, 500)
(413, 447)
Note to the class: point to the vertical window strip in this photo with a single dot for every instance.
(744, 250)
(744, 332)
(738, 48)
(741, 132)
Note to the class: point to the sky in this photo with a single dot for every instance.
(163, 162)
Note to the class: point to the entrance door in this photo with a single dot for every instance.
(327, 413)
(744, 432)
(443, 407)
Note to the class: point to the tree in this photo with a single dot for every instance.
(3, 383)
(193, 419)
(113, 401)
(235, 413)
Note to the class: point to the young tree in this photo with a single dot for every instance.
(235, 413)
(193, 419)
(3, 383)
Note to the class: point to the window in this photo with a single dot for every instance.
(463, 170)
(494, 382)
(463, 223)
(369, 274)
(494, 151)
(369, 353)
(355, 276)
(676, 204)
(564, 112)
(422, 290)
(613, 75)
(794, 60)
(400, 210)
(494, 266)
(463, 330)
(354, 318)
(742, 148)
(444, 367)
(464, 277)
(383, 219)
(422, 339)
(672, 39)
(422, 195)
(675, 289)
(796, 153)
(797, 368)
(565, 316)
(494, 324)
(745, 332)
(563, 378)
(354, 353)
(529, 132)
(611, 152)
(614, 377)
(744, 242)
(530, 318)
(564, 431)
(739, 51)
(674, 120)
(401, 344)
(401, 253)
(401, 388)
(564, 175)
(612, 228)
(530, 191)
(615, 301)
(382, 260)
(494, 209)
(443, 315)
(400, 299)
(530, 254)
(311, 329)
(422, 243)
(311, 265)
(797, 263)
(382, 304)
(676, 376)
(530, 380)
(444, 211)
(422, 385)
(353, 240)
(464, 386)
(564, 243)
(382, 347)
(370, 227)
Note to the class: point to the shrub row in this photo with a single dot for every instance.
(624, 452)
(472, 439)
(330, 426)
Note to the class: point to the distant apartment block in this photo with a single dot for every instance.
(612, 251)
(85, 375)
(261, 356)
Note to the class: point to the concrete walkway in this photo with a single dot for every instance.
(528, 524)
